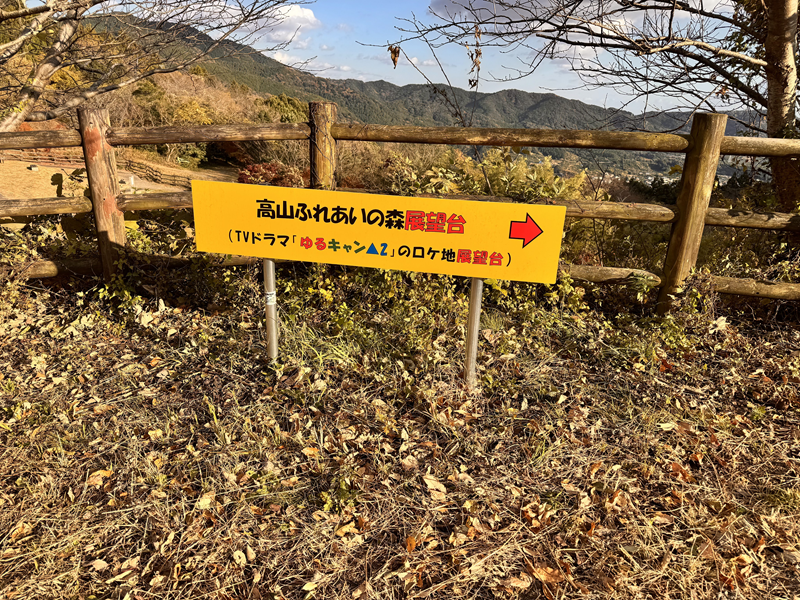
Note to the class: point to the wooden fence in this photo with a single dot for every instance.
(702, 148)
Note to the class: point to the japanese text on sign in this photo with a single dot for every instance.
(478, 239)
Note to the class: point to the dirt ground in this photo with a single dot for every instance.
(18, 181)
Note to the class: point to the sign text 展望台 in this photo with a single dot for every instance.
(434, 235)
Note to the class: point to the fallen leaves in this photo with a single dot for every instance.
(96, 479)
(679, 472)
(311, 452)
(21, 530)
(99, 565)
(349, 527)
(409, 463)
(206, 501)
(362, 590)
(523, 582)
(461, 492)
(550, 577)
(435, 487)
(547, 574)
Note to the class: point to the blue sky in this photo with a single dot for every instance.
(335, 37)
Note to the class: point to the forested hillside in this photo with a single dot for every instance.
(384, 103)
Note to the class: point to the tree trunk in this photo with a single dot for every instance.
(781, 71)
(41, 75)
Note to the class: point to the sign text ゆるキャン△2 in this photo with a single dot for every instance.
(495, 240)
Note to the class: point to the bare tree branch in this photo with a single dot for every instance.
(100, 46)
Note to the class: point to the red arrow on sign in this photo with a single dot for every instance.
(527, 231)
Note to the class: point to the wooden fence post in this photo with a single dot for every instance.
(101, 168)
(697, 183)
(323, 147)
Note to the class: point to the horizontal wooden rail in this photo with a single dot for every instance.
(41, 269)
(777, 290)
(577, 209)
(13, 207)
(543, 138)
(655, 213)
(609, 274)
(133, 136)
(23, 140)
(155, 201)
(752, 220)
(583, 209)
(752, 146)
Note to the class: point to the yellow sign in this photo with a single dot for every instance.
(452, 237)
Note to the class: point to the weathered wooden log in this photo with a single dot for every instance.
(546, 138)
(101, 169)
(697, 183)
(575, 208)
(582, 209)
(133, 136)
(41, 269)
(28, 207)
(722, 217)
(609, 274)
(541, 138)
(322, 145)
(760, 288)
(752, 220)
(21, 140)
(604, 275)
(753, 146)
(155, 201)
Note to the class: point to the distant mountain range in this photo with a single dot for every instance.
(384, 103)
(388, 104)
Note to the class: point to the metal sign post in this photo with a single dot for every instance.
(272, 308)
(473, 330)
(480, 240)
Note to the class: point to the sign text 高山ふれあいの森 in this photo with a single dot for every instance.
(435, 235)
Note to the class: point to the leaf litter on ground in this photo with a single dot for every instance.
(167, 457)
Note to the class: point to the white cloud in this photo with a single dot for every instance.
(320, 67)
(294, 20)
(301, 44)
(325, 48)
(287, 59)
(344, 27)
(429, 63)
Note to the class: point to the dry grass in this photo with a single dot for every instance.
(150, 450)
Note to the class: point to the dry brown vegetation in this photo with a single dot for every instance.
(150, 450)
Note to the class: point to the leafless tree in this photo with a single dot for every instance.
(737, 56)
(57, 55)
